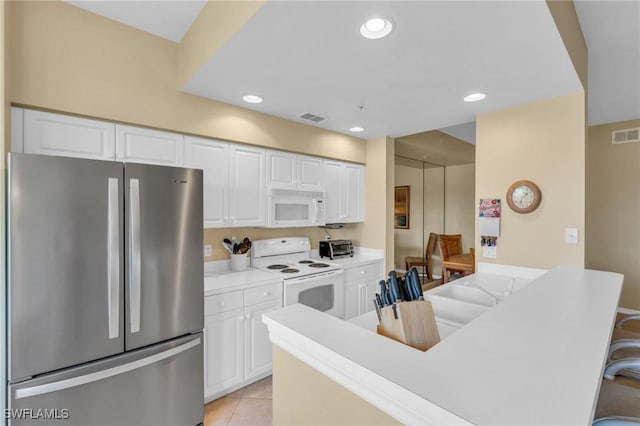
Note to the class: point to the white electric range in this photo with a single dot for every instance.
(314, 283)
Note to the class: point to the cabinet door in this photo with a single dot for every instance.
(281, 170)
(310, 173)
(140, 145)
(352, 296)
(17, 130)
(333, 191)
(257, 343)
(246, 186)
(223, 351)
(64, 135)
(212, 157)
(353, 200)
(368, 292)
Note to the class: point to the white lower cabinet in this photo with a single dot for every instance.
(237, 349)
(360, 286)
(223, 351)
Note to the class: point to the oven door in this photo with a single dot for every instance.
(324, 292)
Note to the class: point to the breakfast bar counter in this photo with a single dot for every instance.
(535, 358)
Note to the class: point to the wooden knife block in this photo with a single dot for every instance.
(415, 326)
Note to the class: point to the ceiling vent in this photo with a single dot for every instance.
(625, 136)
(311, 117)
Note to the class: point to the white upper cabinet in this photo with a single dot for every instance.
(353, 204)
(141, 145)
(333, 194)
(281, 169)
(344, 195)
(293, 171)
(246, 186)
(64, 135)
(310, 174)
(212, 157)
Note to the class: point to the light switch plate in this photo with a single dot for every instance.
(207, 250)
(571, 235)
(489, 252)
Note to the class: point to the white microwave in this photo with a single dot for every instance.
(290, 207)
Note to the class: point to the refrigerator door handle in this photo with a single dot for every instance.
(113, 272)
(103, 374)
(134, 244)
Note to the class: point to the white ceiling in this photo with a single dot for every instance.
(612, 32)
(166, 19)
(308, 56)
(464, 131)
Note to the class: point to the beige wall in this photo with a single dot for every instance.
(66, 59)
(543, 142)
(460, 205)
(613, 208)
(377, 232)
(303, 396)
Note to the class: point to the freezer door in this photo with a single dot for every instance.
(165, 270)
(158, 385)
(65, 278)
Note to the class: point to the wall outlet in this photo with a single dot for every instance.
(571, 235)
(207, 250)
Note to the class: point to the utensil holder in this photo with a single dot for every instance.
(238, 262)
(415, 326)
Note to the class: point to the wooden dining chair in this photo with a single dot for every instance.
(451, 245)
(426, 262)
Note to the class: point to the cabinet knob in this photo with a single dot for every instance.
(223, 303)
(266, 293)
(240, 319)
(362, 272)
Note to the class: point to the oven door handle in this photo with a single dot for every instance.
(309, 278)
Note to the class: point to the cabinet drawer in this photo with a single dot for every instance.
(263, 293)
(360, 273)
(223, 302)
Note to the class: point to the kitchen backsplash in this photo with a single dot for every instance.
(214, 236)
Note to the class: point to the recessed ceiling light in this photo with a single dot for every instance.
(375, 28)
(252, 99)
(475, 97)
(356, 129)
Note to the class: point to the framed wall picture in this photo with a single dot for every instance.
(401, 207)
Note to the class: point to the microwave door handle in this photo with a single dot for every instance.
(315, 211)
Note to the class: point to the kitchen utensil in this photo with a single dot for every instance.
(395, 310)
(379, 300)
(409, 284)
(384, 292)
(407, 287)
(377, 308)
(417, 287)
(393, 287)
(227, 247)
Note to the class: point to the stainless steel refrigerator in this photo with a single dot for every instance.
(105, 293)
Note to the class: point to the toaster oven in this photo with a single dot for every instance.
(336, 248)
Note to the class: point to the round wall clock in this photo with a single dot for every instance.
(523, 196)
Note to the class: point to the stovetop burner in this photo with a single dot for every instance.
(289, 271)
(304, 262)
(318, 265)
(276, 266)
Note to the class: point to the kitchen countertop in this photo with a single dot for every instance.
(536, 358)
(362, 256)
(222, 281)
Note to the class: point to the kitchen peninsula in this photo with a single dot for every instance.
(535, 358)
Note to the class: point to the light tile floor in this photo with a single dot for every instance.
(249, 406)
